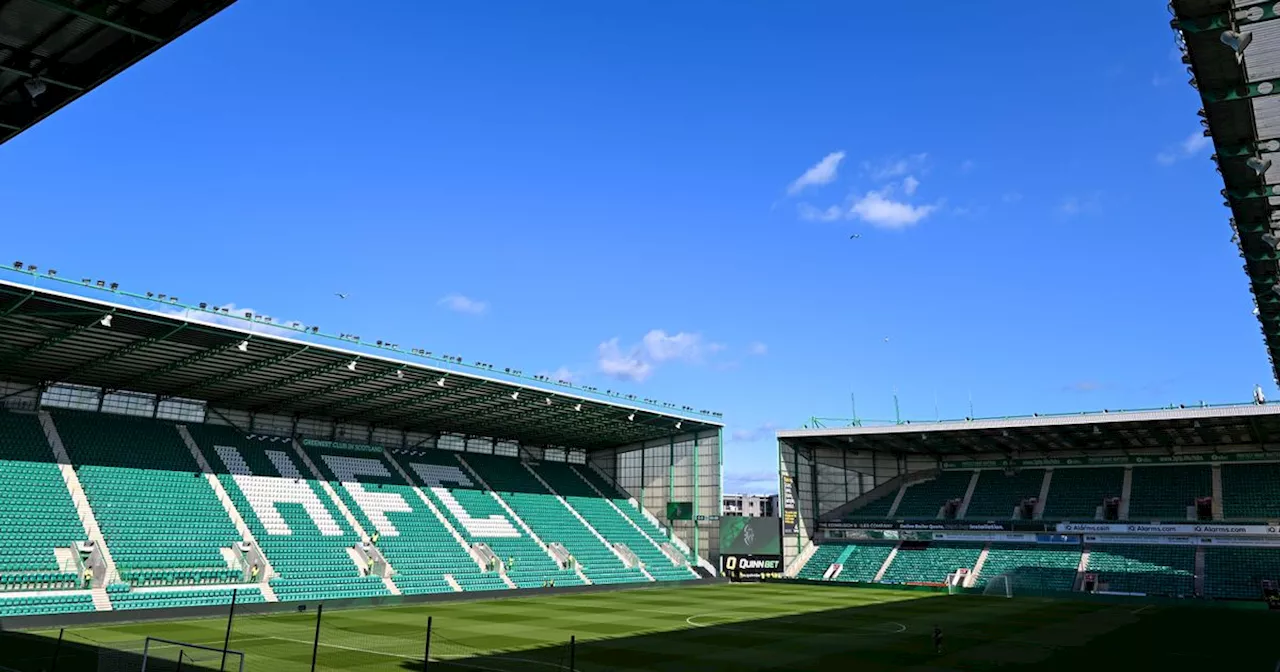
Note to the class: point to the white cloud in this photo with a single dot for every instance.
(894, 168)
(1079, 205)
(638, 361)
(758, 349)
(230, 315)
(823, 172)
(754, 433)
(563, 373)
(462, 304)
(877, 209)
(811, 214)
(617, 364)
(1194, 144)
(909, 185)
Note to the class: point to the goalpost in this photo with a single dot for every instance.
(956, 581)
(163, 655)
(998, 586)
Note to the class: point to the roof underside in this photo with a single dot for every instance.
(48, 337)
(1170, 430)
(1241, 112)
(72, 46)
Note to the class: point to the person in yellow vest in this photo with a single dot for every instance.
(374, 539)
(253, 573)
(88, 576)
(511, 563)
(370, 570)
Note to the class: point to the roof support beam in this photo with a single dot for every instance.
(193, 358)
(353, 382)
(94, 363)
(1228, 20)
(54, 340)
(16, 305)
(356, 401)
(235, 373)
(463, 404)
(285, 382)
(98, 18)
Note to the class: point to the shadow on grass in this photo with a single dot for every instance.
(24, 652)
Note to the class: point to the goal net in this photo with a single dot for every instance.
(167, 655)
(998, 586)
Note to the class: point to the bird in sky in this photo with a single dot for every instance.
(340, 295)
(886, 339)
(856, 235)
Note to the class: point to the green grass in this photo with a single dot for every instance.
(723, 627)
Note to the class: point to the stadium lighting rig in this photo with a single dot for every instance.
(314, 330)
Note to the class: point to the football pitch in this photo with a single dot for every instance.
(717, 627)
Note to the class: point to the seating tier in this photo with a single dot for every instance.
(1034, 568)
(1076, 494)
(930, 562)
(1144, 568)
(924, 499)
(997, 494)
(1164, 493)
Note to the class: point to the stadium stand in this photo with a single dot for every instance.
(1251, 491)
(158, 598)
(479, 518)
(823, 557)
(36, 514)
(924, 499)
(552, 520)
(1238, 573)
(930, 562)
(629, 508)
(1076, 494)
(861, 562)
(302, 535)
(997, 494)
(1144, 568)
(1164, 493)
(1032, 568)
(416, 544)
(161, 520)
(610, 523)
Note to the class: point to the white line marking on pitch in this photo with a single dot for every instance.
(737, 625)
(1139, 611)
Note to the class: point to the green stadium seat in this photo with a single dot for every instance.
(997, 494)
(821, 560)
(160, 518)
(1164, 493)
(924, 499)
(1076, 493)
(1251, 491)
(862, 561)
(930, 562)
(1032, 568)
(1144, 568)
(1238, 573)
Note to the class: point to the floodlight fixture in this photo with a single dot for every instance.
(577, 407)
(114, 285)
(315, 330)
(1258, 165)
(32, 268)
(1276, 288)
(248, 314)
(17, 265)
(204, 306)
(1236, 41)
(351, 365)
(400, 373)
(106, 320)
(1096, 431)
(678, 423)
(515, 395)
(85, 280)
(53, 272)
(35, 88)
(150, 295)
(101, 283)
(631, 417)
(548, 400)
(440, 382)
(243, 346)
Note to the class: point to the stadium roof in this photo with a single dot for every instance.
(1173, 430)
(53, 336)
(54, 51)
(1233, 57)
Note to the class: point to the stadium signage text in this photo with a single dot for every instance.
(751, 567)
(339, 445)
(789, 511)
(1137, 528)
(1010, 526)
(1110, 460)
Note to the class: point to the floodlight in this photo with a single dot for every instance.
(17, 265)
(1096, 431)
(150, 295)
(1235, 41)
(315, 330)
(114, 285)
(548, 400)
(400, 373)
(243, 346)
(440, 382)
(102, 283)
(577, 407)
(36, 87)
(351, 365)
(106, 320)
(678, 423)
(32, 268)
(1258, 165)
(1276, 288)
(515, 395)
(631, 417)
(53, 272)
(203, 305)
(248, 314)
(85, 280)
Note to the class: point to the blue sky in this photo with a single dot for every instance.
(660, 196)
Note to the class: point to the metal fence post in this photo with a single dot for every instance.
(315, 645)
(426, 653)
(573, 650)
(57, 649)
(226, 640)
